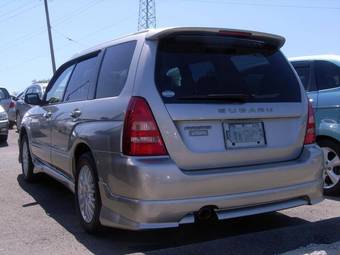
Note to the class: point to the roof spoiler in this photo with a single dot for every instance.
(157, 34)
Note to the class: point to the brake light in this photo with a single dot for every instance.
(310, 129)
(141, 136)
(235, 33)
(12, 104)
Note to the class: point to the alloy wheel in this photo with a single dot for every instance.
(331, 174)
(86, 193)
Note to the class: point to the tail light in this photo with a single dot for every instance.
(141, 136)
(12, 104)
(310, 129)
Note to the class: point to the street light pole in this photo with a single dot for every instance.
(50, 36)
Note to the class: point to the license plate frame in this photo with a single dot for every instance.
(244, 134)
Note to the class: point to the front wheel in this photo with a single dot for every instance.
(331, 172)
(88, 202)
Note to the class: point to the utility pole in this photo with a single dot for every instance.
(50, 36)
(147, 14)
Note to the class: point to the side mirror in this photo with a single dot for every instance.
(33, 99)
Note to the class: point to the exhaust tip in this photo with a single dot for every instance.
(206, 213)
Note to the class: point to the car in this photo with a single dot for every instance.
(3, 125)
(21, 107)
(12, 111)
(5, 99)
(168, 126)
(320, 75)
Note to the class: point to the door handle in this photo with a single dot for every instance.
(75, 114)
(47, 115)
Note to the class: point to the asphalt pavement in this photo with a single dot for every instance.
(40, 218)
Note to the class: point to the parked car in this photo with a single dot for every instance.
(320, 75)
(5, 98)
(3, 125)
(12, 111)
(166, 126)
(21, 107)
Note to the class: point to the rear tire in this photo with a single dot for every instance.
(87, 196)
(331, 175)
(27, 165)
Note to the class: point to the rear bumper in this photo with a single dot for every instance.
(146, 194)
(3, 127)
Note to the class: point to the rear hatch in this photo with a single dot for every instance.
(233, 99)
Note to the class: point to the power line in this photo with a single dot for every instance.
(264, 4)
(19, 13)
(79, 11)
(68, 38)
(31, 35)
(6, 3)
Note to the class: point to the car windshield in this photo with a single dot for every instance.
(195, 69)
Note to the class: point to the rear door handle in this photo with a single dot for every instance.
(47, 115)
(75, 114)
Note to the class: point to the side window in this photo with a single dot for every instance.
(55, 93)
(115, 69)
(304, 74)
(328, 75)
(82, 80)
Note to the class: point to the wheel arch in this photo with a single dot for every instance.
(325, 138)
(81, 148)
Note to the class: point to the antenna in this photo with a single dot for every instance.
(147, 14)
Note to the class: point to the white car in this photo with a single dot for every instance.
(3, 125)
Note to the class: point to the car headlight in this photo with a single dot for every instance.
(3, 116)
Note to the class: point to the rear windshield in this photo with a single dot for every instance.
(196, 69)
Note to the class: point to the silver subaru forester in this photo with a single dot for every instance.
(169, 126)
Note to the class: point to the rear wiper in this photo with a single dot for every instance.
(264, 96)
(220, 97)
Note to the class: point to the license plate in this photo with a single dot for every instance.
(244, 134)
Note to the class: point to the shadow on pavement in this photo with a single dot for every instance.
(58, 202)
(335, 198)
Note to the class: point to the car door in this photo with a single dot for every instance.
(41, 118)
(73, 110)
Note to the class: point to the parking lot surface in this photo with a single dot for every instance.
(40, 218)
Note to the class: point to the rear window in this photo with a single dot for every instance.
(220, 66)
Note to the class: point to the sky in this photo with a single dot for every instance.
(309, 26)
